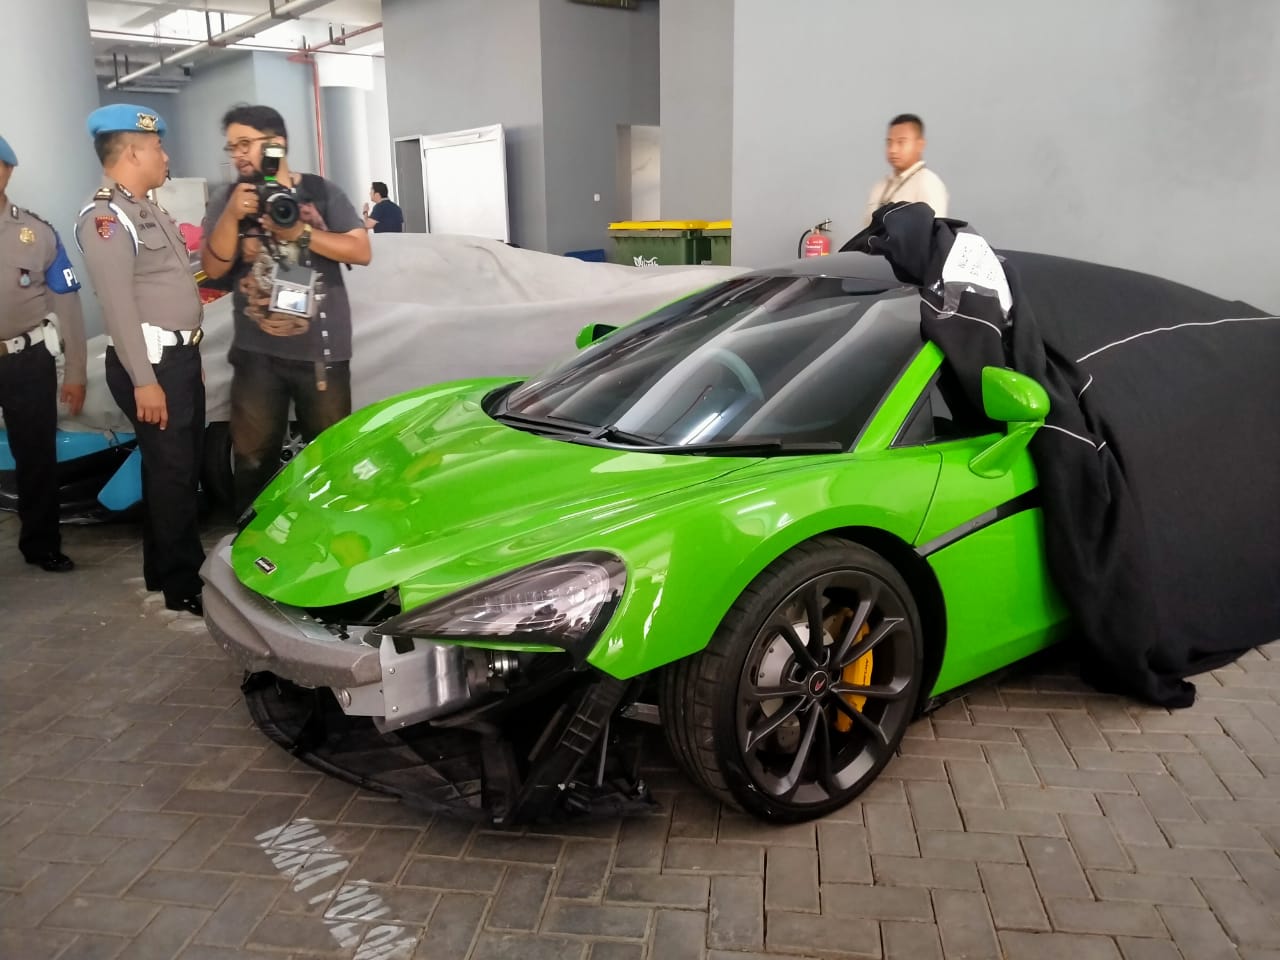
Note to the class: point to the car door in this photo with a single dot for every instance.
(984, 539)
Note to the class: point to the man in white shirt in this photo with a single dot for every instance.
(910, 181)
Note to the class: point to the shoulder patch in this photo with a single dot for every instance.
(105, 222)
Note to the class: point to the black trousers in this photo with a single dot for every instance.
(262, 387)
(29, 399)
(171, 548)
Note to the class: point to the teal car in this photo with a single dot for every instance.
(763, 517)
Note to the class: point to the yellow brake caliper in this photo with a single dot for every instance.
(856, 674)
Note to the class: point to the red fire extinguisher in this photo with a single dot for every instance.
(815, 242)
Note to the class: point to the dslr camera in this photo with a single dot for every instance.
(293, 286)
(277, 200)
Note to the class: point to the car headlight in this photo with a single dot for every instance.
(564, 602)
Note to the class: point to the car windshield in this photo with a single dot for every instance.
(796, 360)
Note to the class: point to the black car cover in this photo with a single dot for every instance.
(1159, 463)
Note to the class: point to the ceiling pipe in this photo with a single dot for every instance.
(307, 56)
(342, 38)
(290, 10)
(150, 40)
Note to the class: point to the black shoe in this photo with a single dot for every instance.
(190, 604)
(54, 562)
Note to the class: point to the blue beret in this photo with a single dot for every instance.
(126, 118)
(6, 153)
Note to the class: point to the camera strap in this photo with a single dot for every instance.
(322, 297)
(316, 193)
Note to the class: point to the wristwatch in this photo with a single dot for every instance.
(305, 239)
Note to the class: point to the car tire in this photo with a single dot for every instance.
(215, 472)
(216, 476)
(745, 748)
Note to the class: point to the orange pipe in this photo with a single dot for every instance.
(315, 94)
(308, 56)
(315, 87)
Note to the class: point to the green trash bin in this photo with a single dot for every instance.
(719, 234)
(647, 243)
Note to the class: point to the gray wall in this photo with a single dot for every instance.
(379, 132)
(451, 65)
(599, 71)
(346, 141)
(195, 130)
(1142, 134)
(645, 29)
(560, 77)
(287, 87)
(697, 105)
(44, 122)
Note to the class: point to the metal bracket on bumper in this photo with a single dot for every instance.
(399, 682)
(260, 634)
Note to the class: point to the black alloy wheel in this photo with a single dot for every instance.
(802, 696)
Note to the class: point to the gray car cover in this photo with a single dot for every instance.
(1159, 464)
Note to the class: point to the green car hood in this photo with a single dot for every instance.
(427, 488)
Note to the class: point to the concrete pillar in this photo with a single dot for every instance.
(346, 140)
(345, 82)
(47, 91)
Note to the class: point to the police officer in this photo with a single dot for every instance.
(141, 271)
(35, 277)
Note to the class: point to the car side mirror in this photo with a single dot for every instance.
(593, 332)
(1020, 402)
(1010, 396)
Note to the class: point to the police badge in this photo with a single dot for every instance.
(27, 236)
(147, 122)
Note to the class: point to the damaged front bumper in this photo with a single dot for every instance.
(431, 723)
(396, 684)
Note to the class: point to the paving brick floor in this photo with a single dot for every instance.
(143, 816)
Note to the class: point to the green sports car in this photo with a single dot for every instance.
(763, 517)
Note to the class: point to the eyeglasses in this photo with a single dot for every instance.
(242, 146)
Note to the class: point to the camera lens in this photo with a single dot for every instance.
(283, 210)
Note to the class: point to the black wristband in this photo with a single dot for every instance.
(208, 245)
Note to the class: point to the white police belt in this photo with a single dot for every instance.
(23, 340)
(157, 338)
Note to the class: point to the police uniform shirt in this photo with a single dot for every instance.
(36, 278)
(916, 184)
(141, 272)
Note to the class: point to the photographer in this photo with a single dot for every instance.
(281, 239)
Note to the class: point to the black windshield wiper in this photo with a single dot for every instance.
(749, 448)
(614, 435)
(611, 436)
(765, 447)
(541, 424)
